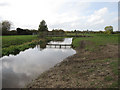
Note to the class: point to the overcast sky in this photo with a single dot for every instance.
(64, 14)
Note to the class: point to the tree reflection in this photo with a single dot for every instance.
(41, 46)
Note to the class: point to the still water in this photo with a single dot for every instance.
(18, 70)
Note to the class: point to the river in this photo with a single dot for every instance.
(18, 70)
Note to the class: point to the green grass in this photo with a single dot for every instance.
(15, 49)
(114, 66)
(108, 78)
(92, 83)
(114, 85)
(55, 38)
(91, 70)
(97, 40)
(16, 40)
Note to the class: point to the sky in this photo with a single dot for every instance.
(60, 14)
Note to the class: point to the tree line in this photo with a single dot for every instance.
(43, 30)
(93, 32)
(5, 30)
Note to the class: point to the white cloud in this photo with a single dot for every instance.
(102, 11)
(30, 12)
(97, 16)
(65, 14)
(99, 22)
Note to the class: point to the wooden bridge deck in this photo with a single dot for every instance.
(59, 44)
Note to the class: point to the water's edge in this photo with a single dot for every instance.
(50, 69)
(31, 63)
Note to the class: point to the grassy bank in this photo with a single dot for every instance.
(15, 49)
(95, 65)
(15, 44)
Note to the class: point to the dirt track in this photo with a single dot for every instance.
(85, 69)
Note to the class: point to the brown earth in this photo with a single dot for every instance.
(85, 69)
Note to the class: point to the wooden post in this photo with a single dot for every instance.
(60, 46)
(65, 45)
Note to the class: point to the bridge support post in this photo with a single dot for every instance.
(60, 46)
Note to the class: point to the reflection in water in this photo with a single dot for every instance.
(43, 45)
(27, 65)
(66, 41)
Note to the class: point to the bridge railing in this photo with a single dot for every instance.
(59, 45)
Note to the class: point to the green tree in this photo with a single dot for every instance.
(6, 25)
(108, 29)
(42, 26)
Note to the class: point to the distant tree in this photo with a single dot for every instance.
(108, 29)
(24, 31)
(58, 32)
(75, 31)
(12, 32)
(100, 32)
(117, 32)
(19, 31)
(42, 26)
(6, 25)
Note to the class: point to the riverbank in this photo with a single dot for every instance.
(15, 44)
(95, 65)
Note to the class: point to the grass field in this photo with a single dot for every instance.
(16, 40)
(97, 39)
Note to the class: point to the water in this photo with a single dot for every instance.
(66, 41)
(18, 70)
